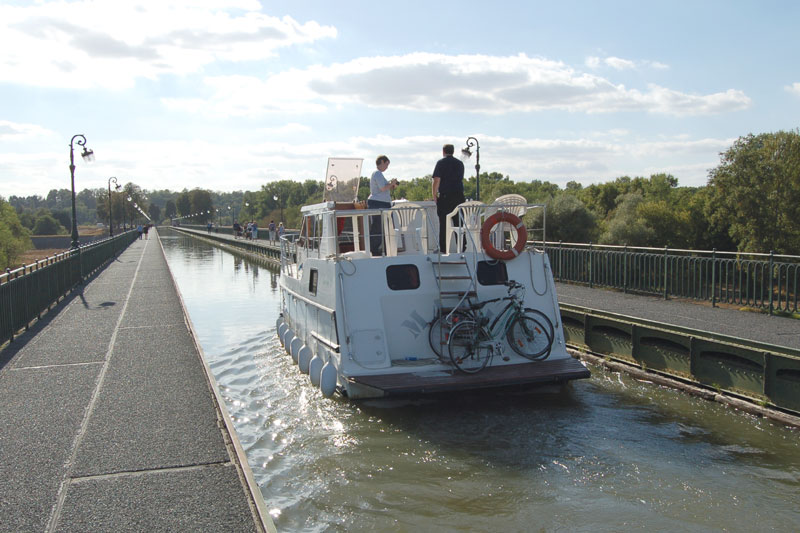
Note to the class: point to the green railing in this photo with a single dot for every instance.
(29, 291)
(766, 281)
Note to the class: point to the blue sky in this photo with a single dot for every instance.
(232, 94)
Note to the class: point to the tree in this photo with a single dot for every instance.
(627, 226)
(14, 239)
(184, 203)
(569, 220)
(170, 210)
(155, 212)
(756, 192)
(46, 224)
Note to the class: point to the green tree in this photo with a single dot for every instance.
(14, 239)
(155, 212)
(46, 224)
(184, 203)
(756, 192)
(170, 210)
(569, 220)
(626, 225)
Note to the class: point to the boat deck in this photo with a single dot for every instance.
(446, 380)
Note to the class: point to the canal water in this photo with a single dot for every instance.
(607, 454)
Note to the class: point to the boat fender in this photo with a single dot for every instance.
(314, 368)
(278, 322)
(287, 339)
(327, 379)
(304, 358)
(294, 348)
(282, 331)
(488, 226)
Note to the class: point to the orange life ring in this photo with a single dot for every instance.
(491, 222)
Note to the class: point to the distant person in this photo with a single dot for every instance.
(448, 190)
(139, 229)
(237, 229)
(380, 197)
(254, 230)
(146, 229)
(281, 230)
(208, 227)
(272, 228)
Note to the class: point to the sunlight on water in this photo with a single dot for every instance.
(606, 454)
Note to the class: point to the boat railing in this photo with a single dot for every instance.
(405, 228)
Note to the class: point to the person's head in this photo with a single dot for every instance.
(382, 162)
(448, 149)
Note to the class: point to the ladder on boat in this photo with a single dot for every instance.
(457, 283)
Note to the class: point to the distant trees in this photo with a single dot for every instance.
(755, 192)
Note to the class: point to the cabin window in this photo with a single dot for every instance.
(402, 277)
(313, 276)
(492, 273)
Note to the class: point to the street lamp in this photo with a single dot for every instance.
(110, 219)
(88, 156)
(472, 141)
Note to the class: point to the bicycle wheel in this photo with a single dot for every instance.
(437, 335)
(542, 318)
(529, 337)
(467, 350)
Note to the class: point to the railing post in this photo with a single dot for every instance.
(771, 278)
(714, 277)
(560, 261)
(625, 269)
(665, 273)
(590, 265)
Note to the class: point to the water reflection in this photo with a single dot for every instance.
(606, 454)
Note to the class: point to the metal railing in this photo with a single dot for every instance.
(765, 281)
(29, 291)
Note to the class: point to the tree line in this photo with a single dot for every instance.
(750, 203)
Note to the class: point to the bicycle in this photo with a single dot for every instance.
(472, 342)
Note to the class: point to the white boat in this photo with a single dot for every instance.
(372, 315)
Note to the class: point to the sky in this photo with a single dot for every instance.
(234, 94)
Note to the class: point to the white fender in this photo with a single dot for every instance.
(288, 337)
(282, 331)
(327, 379)
(314, 368)
(294, 348)
(278, 322)
(304, 358)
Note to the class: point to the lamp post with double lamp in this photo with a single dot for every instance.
(110, 218)
(466, 152)
(88, 156)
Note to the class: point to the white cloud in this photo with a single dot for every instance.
(111, 44)
(794, 88)
(12, 131)
(619, 64)
(441, 83)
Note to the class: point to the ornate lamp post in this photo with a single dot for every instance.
(472, 141)
(88, 156)
(110, 219)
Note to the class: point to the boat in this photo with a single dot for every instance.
(372, 308)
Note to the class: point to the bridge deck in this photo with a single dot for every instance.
(755, 326)
(108, 421)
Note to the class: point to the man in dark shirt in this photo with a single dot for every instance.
(448, 190)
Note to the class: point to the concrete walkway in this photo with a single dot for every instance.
(761, 327)
(109, 420)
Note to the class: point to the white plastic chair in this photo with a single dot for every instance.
(408, 220)
(469, 233)
(514, 204)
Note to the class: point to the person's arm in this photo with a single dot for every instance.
(435, 188)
